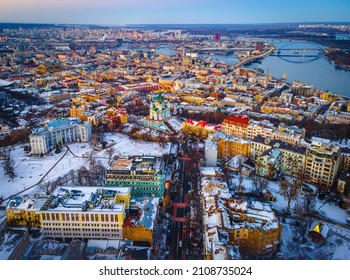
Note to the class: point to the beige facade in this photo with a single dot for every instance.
(322, 163)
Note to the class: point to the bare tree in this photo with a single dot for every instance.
(91, 159)
(289, 191)
(260, 184)
(99, 173)
(82, 175)
(110, 152)
(240, 188)
(46, 187)
(72, 176)
(302, 221)
(309, 200)
(8, 165)
(271, 171)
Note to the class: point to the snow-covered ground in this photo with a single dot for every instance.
(326, 209)
(29, 170)
(335, 248)
(125, 146)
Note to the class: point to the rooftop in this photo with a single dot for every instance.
(59, 123)
(9, 242)
(26, 203)
(137, 163)
(148, 210)
(96, 199)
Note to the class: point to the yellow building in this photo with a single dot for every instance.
(293, 159)
(59, 97)
(236, 126)
(258, 146)
(77, 112)
(140, 224)
(201, 128)
(344, 159)
(343, 186)
(330, 97)
(229, 146)
(192, 98)
(252, 227)
(85, 213)
(118, 112)
(24, 211)
(255, 227)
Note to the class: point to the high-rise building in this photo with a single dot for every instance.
(322, 162)
(217, 37)
(211, 153)
(259, 46)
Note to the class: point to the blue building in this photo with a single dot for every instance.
(43, 140)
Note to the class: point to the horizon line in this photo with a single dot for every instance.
(136, 24)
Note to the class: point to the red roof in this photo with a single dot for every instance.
(237, 119)
(128, 222)
(202, 123)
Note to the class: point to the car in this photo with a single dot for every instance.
(180, 243)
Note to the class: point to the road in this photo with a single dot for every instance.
(248, 59)
(177, 237)
(177, 250)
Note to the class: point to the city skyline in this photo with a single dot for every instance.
(186, 12)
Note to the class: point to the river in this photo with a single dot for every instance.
(318, 71)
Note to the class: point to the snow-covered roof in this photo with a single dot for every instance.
(26, 203)
(149, 208)
(4, 83)
(93, 199)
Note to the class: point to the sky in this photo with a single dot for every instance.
(173, 11)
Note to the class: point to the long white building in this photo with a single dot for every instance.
(43, 140)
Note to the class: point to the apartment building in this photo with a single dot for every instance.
(233, 228)
(229, 146)
(144, 175)
(322, 162)
(242, 127)
(291, 159)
